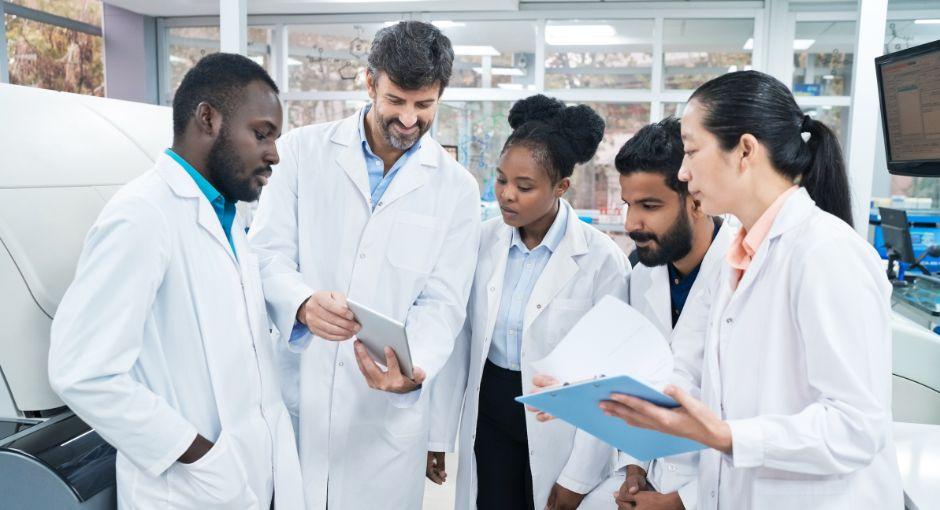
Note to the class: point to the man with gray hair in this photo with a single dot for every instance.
(373, 209)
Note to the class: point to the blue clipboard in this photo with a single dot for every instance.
(577, 404)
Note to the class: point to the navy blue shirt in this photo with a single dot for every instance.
(679, 286)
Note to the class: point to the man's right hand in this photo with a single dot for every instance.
(199, 447)
(634, 482)
(435, 468)
(326, 315)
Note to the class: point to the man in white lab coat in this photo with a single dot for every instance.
(370, 207)
(680, 249)
(161, 342)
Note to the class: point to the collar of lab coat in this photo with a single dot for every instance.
(351, 160)
(657, 290)
(797, 209)
(184, 186)
(561, 267)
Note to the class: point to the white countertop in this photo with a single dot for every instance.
(918, 448)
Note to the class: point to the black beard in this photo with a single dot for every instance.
(673, 245)
(223, 166)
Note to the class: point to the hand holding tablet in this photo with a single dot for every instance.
(383, 341)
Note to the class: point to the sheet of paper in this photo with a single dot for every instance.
(611, 339)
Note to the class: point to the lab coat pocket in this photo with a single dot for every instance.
(415, 242)
(800, 493)
(405, 422)
(563, 314)
(218, 480)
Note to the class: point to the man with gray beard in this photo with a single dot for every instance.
(370, 208)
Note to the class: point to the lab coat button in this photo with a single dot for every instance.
(531, 452)
(380, 204)
(362, 255)
(729, 320)
(539, 307)
(671, 467)
(713, 494)
(492, 289)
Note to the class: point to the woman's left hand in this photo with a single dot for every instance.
(692, 420)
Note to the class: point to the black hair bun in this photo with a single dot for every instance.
(583, 128)
(534, 108)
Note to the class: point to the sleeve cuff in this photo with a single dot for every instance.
(574, 485)
(441, 447)
(404, 400)
(747, 443)
(688, 493)
(300, 338)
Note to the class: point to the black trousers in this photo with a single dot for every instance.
(502, 447)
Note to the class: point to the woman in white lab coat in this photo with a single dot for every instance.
(796, 390)
(540, 269)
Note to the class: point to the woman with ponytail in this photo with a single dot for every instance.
(796, 385)
(540, 268)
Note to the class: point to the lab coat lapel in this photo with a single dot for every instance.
(658, 299)
(412, 175)
(184, 186)
(797, 209)
(350, 157)
(560, 269)
(499, 254)
(250, 276)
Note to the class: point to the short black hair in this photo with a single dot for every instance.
(413, 54)
(559, 136)
(656, 148)
(217, 79)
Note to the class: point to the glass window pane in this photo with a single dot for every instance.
(823, 53)
(329, 57)
(87, 11)
(903, 34)
(835, 117)
(189, 44)
(52, 57)
(478, 129)
(186, 46)
(697, 50)
(506, 47)
(673, 109)
(598, 54)
(302, 113)
(596, 185)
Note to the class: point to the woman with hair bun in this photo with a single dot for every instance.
(796, 384)
(540, 268)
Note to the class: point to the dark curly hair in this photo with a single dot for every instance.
(413, 54)
(656, 148)
(219, 80)
(559, 136)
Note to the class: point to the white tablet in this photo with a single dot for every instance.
(379, 331)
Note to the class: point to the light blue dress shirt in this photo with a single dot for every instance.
(378, 183)
(523, 269)
(378, 178)
(224, 209)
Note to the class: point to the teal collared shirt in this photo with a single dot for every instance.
(224, 209)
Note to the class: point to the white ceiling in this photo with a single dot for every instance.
(168, 8)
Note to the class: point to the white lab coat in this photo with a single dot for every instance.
(586, 266)
(163, 334)
(412, 259)
(649, 294)
(798, 361)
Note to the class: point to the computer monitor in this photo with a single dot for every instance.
(909, 93)
(897, 235)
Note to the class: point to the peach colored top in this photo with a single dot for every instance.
(745, 244)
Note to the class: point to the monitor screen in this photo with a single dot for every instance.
(909, 90)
